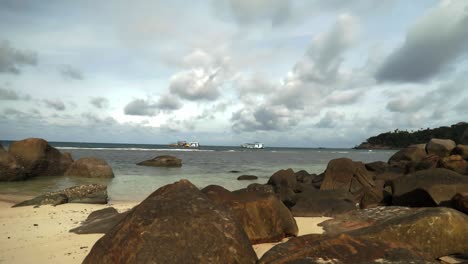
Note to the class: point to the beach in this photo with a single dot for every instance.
(40, 235)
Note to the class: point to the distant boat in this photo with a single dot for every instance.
(256, 145)
(185, 144)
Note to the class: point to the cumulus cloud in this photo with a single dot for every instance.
(11, 59)
(99, 102)
(330, 119)
(434, 42)
(263, 118)
(56, 104)
(141, 107)
(168, 102)
(8, 94)
(343, 97)
(69, 72)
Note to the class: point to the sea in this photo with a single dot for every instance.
(220, 165)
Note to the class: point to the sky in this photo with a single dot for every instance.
(288, 73)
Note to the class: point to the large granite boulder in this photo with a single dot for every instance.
(460, 202)
(100, 221)
(440, 147)
(461, 150)
(162, 161)
(303, 176)
(90, 167)
(310, 203)
(413, 153)
(431, 161)
(284, 183)
(262, 188)
(455, 163)
(175, 224)
(39, 158)
(427, 188)
(341, 249)
(436, 231)
(263, 217)
(88, 193)
(10, 169)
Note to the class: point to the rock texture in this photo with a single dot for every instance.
(100, 221)
(323, 203)
(413, 153)
(89, 193)
(460, 202)
(284, 182)
(428, 188)
(39, 158)
(90, 167)
(461, 150)
(263, 217)
(162, 161)
(10, 169)
(247, 178)
(175, 224)
(455, 163)
(440, 147)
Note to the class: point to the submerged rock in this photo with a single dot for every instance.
(90, 167)
(175, 224)
(89, 193)
(162, 161)
(247, 177)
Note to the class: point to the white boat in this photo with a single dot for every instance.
(256, 145)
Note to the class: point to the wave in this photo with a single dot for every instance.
(135, 149)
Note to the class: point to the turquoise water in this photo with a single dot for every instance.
(205, 166)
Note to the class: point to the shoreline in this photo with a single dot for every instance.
(41, 235)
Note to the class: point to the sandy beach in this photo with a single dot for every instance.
(40, 235)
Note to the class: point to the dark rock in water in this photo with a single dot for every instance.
(90, 167)
(247, 177)
(39, 158)
(10, 169)
(262, 188)
(234, 171)
(341, 249)
(455, 163)
(89, 193)
(100, 221)
(440, 147)
(460, 202)
(413, 153)
(175, 224)
(461, 150)
(436, 231)
(162, 161)
(263, 217)
(323, 203)
(427, 188)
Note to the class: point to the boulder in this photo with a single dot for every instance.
(341, 249)
(262, 188)
(247, 177)
(162, 161)
(413, 153)
(436, 231)
(175, 224)
(455, 163)
(377, 166)
(312, 203)
(427, 188)
(90, 167)
(39, 158)
(10, 169)
(304, 177)
(460, 202)
(100, 221)
(89, 193)
(464, 137)
(283, 178)
(263, 217)
(440, 147)
(461, 150)
(431, 161)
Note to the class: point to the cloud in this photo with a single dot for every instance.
(7, 94)
(194, 85)
(11, 59)
(331, 119)
(343, 97)
(99, 102)
(434, 42)
(55, 104)
(263, 118)
(141, 107)
(168, 102)
(69, 72)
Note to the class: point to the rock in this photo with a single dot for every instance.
(263, 188)
(162, 161)
(247, 177)
(413, 153)
(322, 203)
(461, 150)
(1, 148)
(377, 166)
(234, 171)
(436, 231)
(427, 188)
(455, 163)
(90, 167)
(100, 221)
(460, 202)
(284, 178)
(263, 217)
(464, 137)
(175, 224)
(10, 169)
(89, 193)
(39, 158)
(431, 161)
(304, 177)
(440, 147)
(317, 180)
(341, 249)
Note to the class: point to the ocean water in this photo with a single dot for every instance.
(204, 166)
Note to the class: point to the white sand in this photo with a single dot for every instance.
(21, 241)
